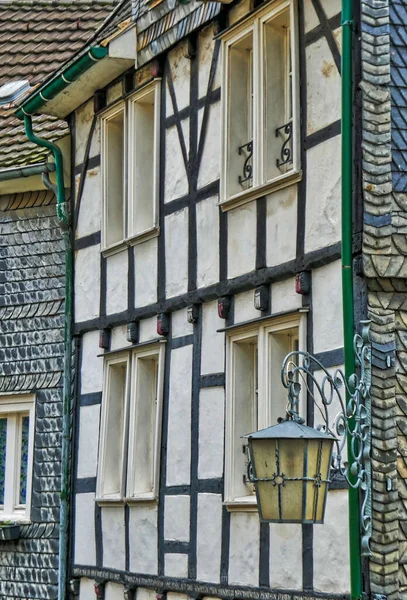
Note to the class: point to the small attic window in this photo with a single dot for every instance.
(9, 92)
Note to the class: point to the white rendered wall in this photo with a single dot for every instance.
(209, 540)
(87, 283)
(211, 432)
(85, 545)
(113, 533)
(92, 364)
(88, 440)
(143, 538)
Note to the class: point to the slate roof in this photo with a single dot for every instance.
(398, 87)
(36, 38)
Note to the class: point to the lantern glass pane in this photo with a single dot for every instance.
(264, 455)
(319, 460)
(292, 465)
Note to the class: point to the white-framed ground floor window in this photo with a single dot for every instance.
(16, 456)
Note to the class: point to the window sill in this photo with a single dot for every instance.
(262, 190)
(248, 504)
(139, 238)
(110, 501)
(9, 532)
(142, 499)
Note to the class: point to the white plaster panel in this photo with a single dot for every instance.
(114, 591)
(310, 16)
(87, 589)
(207, 224)
(242, 240)
(87, 283)
(337, 33)
(332, 546)
(331, 7)
(211, 432)
(244, 548)
(327, 307)
(118, 337)
(180, 325)
(85, 545)
(88, 440)
(176, 596)
(285, 556)
(145, 260)
(284, 297)
(90, 208)
(145, 594)
(180, 71)
(176, 565)
(244, 307)
(143, 539)
(213, 343)
(205, 52)
(83, 122)
(323, 207)
(148, 329)
(92, 364)
(179, 417)
(281, 226)
(209, 528)
(117, 269)
(176, 518)
(176, 253)
(323, 86)
(114, 92)
(210, 164)
(113, 531)
(176, 180)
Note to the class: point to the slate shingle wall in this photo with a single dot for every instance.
(398, 89)
(31, 359)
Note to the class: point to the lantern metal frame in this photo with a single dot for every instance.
(352, 423)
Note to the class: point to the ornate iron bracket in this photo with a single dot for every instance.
(286, 154)
(353, 421)
(246, 150)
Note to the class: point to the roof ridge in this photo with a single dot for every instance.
(16, 4)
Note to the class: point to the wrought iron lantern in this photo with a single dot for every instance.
(290, 464)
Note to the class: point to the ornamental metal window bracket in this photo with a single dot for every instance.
(286, 157)
(353, 422)
(247, 151)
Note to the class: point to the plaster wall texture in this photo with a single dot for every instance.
(286, 556)
(118, 337)
(87, 283)
(213, 343)
(113, 532)
(332, 546)
(244, 548)
(114, 92)
(87, 589)
(176, 181)
(207, 219)
(117, 267)
(89, 215)
(209, 526)
(88, 440)
(281, 227)
(205, 50)
(179, 417)
(323, 216)
(176, 565)
(143, 539)
(145, 594)
(176, 518)
(180, 68)
(244, 307)
(85, 547)
(145, 269)
(211, 432)
(92, 365)
(176, 253)
(180, 325)
(148, 329)
(323, 87)
(211, 156)
(327, 307)
(241, 240)
(310, 16)
(84, 116)
(113, 591)
(284, 297)
(331, 8)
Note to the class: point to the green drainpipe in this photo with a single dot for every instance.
(347, 277)
(63, 218)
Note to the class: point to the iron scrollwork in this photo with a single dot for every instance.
(247, 151)
(353, 422)
(286, 154)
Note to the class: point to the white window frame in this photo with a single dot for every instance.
(265, 386)
(15, 406)
(130, 357)
(131, 237)
(254, 25)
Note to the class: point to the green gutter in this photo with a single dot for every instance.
(61, 81)
(19, 172)
(347, 278)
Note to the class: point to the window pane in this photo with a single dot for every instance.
(115, 398)
(278, 97)
(114, 173)
(3, 443)
(280, 344)
(25, 427)
(239, 168)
